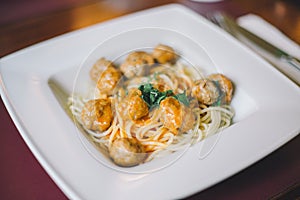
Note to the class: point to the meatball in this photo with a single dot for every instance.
(136, 64)
(99, 67)
(206, 91)
(171, 114)
(175, 116)
(137, 107)
(108, 80)
(225, 85)
(164, 54)
(97, 115)
(161, 86)
(189, 119)
(127, 152)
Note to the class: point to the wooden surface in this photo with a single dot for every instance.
(22, 25)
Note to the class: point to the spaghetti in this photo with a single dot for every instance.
(152, 108)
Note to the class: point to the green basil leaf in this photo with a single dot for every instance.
(183, 98)
(153, 96)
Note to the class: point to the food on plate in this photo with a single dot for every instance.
(127, 152)
(164, 54)
(99, 67)
(224, 84)
(136, 64)
(96, 114)
(175, 116)
(151, 105)
(206, 91)
(108, 80)
(137, 107)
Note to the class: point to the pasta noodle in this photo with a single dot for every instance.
(170, 85)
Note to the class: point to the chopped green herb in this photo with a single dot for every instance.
(153, 96)
(183, 98)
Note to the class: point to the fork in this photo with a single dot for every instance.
(266, 50)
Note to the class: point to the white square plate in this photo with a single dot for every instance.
(266, 104)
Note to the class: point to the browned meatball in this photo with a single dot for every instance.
(161, 86)
(97, 114)
(189, 120)
(225, 85)
(99, 67)
(136, 64)
(127, 152)
(137, 107)
(164, 54)
(206, 91)
(108, 80)
(175, 116)
(171, 114)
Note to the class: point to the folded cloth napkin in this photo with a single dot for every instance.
(268, 32)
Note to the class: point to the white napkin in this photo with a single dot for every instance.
(265, 30)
